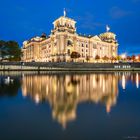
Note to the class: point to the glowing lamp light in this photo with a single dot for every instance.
(123, 56)
(137, 57)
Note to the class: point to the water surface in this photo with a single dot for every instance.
(81, 106)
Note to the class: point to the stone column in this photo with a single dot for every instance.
(58, 44)
(62, 44)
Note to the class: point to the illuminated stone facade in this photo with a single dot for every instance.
(64, 40)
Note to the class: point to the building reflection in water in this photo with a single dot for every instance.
(65, 92)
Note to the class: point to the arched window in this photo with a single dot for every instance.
(69, 43)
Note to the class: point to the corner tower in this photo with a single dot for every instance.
(64, 24)
(64, 36)
(110, 37)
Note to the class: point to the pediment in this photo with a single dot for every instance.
(96, 38)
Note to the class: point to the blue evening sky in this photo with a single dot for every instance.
(23, 19)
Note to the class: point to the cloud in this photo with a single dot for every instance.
(20, 9)
(135, 1)
(90, 25)
(87, 21)
(117, 12)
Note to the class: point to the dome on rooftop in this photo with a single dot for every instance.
(108, 37)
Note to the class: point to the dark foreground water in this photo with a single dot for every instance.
(61, 106)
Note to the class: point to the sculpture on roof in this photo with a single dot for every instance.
(65, 12)
(107, 28)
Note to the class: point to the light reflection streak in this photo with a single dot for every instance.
(137, 80)
(123, 82)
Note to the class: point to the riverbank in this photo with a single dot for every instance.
(42, 66)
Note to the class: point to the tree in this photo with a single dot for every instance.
(118, 58)
(75, 55)
(10, 50)
(105, 58)
(138, 57)
(3, 49)
(113, 59)
(97, 57)
(128, 58)
(87, 58)
(133, 57)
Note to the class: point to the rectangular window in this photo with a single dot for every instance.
(94, 46)
(68, 51)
